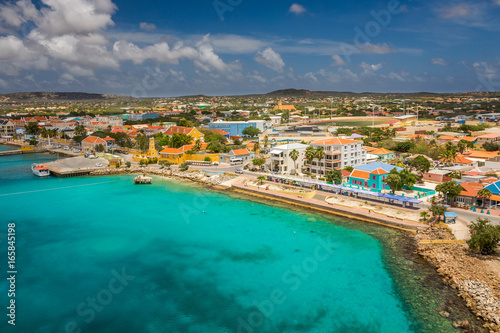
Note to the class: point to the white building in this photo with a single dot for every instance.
(339, 153)
(282, 162)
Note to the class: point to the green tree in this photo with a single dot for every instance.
(256, 148)
(462, 145)
(207, 159)
(266, 140)
(32, 128)
(294, 155)
(80, 131)
(261, 179)
(490, 146)
(184, 166)
(180, 139)
(450, 190)
(408, 179)
(404, 147)
(258, 161)
(484, 193)
(319, 154)
(33, 142)
(484, 237)
(334, 176)
(128, 164)
(394, 182)
(251, 131)
(424, 215)
(437, 210)
(349, 168)
(419, 163)
(310, 155)
(142, 142)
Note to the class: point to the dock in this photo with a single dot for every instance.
(75, 166)
(19, 152)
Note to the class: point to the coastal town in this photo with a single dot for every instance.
(411, 167)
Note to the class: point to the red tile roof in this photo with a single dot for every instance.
(334, 141)
(94, 140)
(178, 130)
(240, 152)
(220, 131)
(360, 174)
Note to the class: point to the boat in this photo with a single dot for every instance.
(40, 170)
(143, 179)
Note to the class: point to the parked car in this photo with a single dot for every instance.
(92, 156)
(118, 151)
(86, 155)
(99, 165)
(239, 171)
(125, 152)
(66, 147)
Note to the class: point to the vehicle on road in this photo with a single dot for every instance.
(239, 171)
(99, 165)
(66, 147)
(92, 156)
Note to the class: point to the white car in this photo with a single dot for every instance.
(66, 147)
(99, 165)
(92, 156)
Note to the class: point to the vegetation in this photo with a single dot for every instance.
(349, 168)
(449, 189)
(490, 146)
(420, 164)
(251, 131)
(128, 164)
(261, 179)
(184, 166)
(404, 147)
(294, 155)
(437, 210)
(485, 237)
(334, 176)
(258, 161)
(484, 193)
(394, 182)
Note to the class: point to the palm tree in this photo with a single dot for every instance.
(424, 215)
(197, 145)
(294, 155)
(261, 179)
(310, 155)
(319, 154)
(256, 148)
(485, 194)
(462, 145)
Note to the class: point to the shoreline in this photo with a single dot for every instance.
(470, 297)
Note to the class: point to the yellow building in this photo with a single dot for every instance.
(181, 155)
(281, 107)
(190, 131)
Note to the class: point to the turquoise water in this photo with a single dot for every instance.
(103, 255)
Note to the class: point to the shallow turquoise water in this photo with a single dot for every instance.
(103, 255)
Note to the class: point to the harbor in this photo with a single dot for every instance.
(75, 166)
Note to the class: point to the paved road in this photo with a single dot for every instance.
(468, 215)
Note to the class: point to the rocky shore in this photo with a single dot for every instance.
(474, 276)
(192, 175)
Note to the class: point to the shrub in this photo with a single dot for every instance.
(184, 166)
(128, 164)
(484, 236)
(208, 159)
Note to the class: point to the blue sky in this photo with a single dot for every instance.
(224, 47)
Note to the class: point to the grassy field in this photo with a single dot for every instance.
(355, 122)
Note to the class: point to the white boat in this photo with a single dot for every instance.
(40, 170)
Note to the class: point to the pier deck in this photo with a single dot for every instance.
(75, 166)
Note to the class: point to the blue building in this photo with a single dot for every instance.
(235, 128)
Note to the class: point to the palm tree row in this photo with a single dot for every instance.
(315, 153)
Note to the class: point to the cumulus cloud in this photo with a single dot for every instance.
(208, 60)
(147, 26)
(338, 61)
(297, 9)
(439, 61)
(369, 69)
(161, 52)
(270, 59)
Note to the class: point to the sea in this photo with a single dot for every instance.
(100, 254)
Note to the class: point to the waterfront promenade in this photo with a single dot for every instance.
(318, 203)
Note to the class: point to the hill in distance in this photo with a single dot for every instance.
(60, 96)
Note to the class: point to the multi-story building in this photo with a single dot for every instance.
(235, 128)
(282, 162)
(339, 153)
(7, 128)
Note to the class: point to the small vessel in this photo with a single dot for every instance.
(143, 179)
(40, 170)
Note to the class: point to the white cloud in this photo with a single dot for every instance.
(297, 9)
(208, 60)
(147, 26)
(61, 17)
(375, 48)
(459, 10)
(161, 52)
(270, 59)
(338, 61)
(439, 61)
(235, 44)
(3, 83)
(369, 69)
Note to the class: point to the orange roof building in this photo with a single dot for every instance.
(91, 143)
